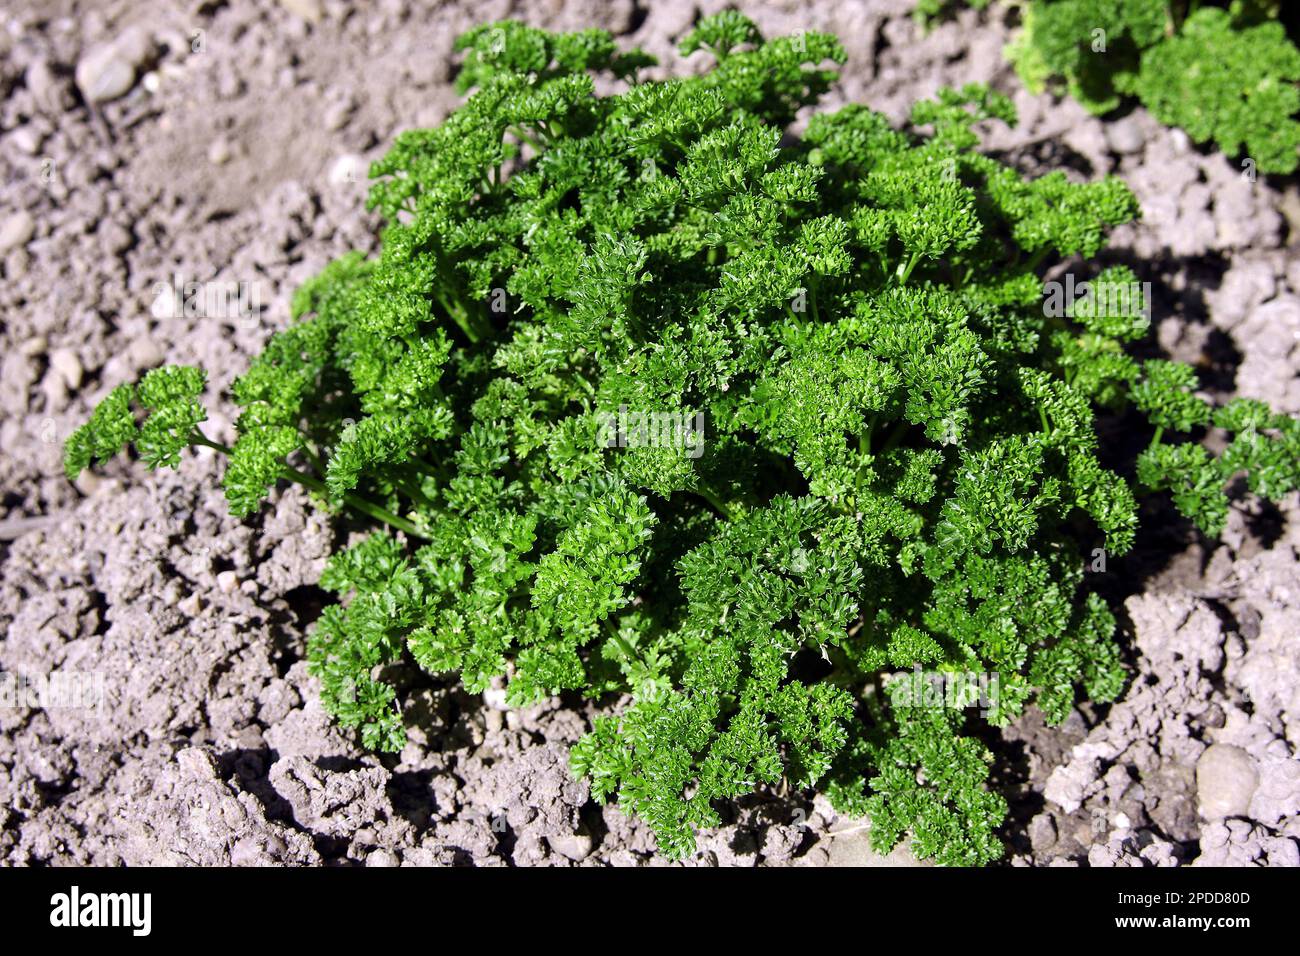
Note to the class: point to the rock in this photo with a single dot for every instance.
(64, 361)
(144, 353)
(349, 168)
(309, 10)
(1124, 136)
(135, 46)
(48, 89)
(54, 389)
(104, 74)
(1042, 831)
(219, 152)
(852, 847)
(26, 140)
(36, 345)
(573, 846)
(1226, 779)
(227, 582)
(108, 70)
(383, 858)
(336, 115)
(17, 230)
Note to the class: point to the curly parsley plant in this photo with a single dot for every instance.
(651, 400)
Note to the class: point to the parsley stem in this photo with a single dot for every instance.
(614, 636)
(895, 436)
(413, 490)
(711, 496)
(905, 273)
(380, 514)
(198, 438)
(530, 140)
(368, 508)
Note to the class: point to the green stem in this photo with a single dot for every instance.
(711, 496)
(1037, 258)
(895, 436)
(198, 438)
(628, 651)
(414, 491)
(368, 508)
(906, 273)
(864, 437)
(531, 141)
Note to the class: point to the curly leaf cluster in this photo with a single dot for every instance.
(894, 460)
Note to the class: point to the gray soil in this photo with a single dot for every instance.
(228, 140)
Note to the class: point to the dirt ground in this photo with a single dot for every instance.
(149, 144)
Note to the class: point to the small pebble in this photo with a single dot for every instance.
(573, 846)
(134, 45)
(1125, 136)
(103, 74)
(88, 483)
(348, 168)
(64, 361)
(144, 353)
(190, 606)
(1226, 779)
(219, 152)
(36, 345)
(50, 92)
(227, 582)
(336, 116)
(26, 140)
(16, 231)
(108, 70)
(309, 10)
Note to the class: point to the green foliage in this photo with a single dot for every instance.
(169, 397)
(930, 781)
(1226, 76)
(1096, 45)
(896, 463)
(1233, 86)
